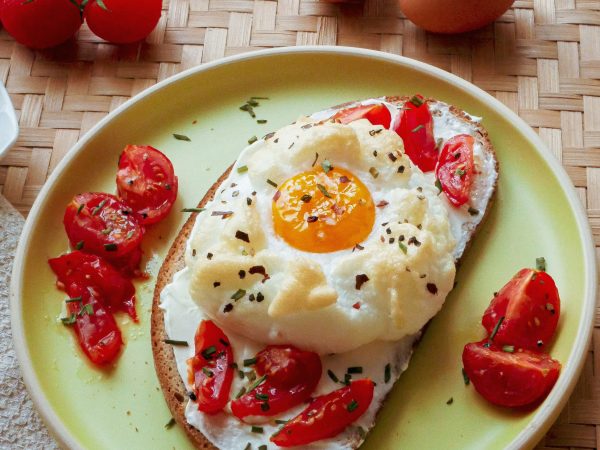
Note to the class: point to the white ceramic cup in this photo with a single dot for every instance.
(9, 129)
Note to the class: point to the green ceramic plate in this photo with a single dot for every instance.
(536, 213)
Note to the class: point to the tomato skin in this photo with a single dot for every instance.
(456, 168)
(507, 379)
(102, 212)
(327, 415)
(530, 305)
(416, 130)
(123, 21)
(292, 376)
(377, 114)
(41, 23)
(212, 392)
(146, 181)
(77, 270)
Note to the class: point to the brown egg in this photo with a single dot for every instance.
(453, 16)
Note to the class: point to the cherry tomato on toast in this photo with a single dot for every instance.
(77, 270)
(529, 306)
(377, 114)
(327, 416)
(101, 224)
(511, 378)
(291, 377)
(456, 168)
(211, 368)
(146, 181)
(416, 130)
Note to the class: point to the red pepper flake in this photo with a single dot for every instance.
(432, 288)
(276, 196)
(209, 255)
(242, 274)
(216, 284)
(360, 280)
(223, 214)
(413, 240)
(392, 157)
(261, 270)
(311, 219)
(382, 204)
(356, 305)
(357, 247)
(228, 307)
(242, 236)
(344, 179)
(339, 210)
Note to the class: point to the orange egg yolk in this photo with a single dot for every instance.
(319, 212)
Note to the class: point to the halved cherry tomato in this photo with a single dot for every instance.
(377, 114)
(456, 167)
(211, 369)
(509, 379)
(78, 270)
(146, 181)
(101, 224)
(97, 332)
(416, 130)
(291, 377)
(530, 307)
(327, 416)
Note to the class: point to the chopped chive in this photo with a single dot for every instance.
(540, 264)
(261, 121)
(256, 429)
(438, 184)
(106, 231)
(130, 234)
(249, 362)
(496, 328)
(196, 210)
(170, 424)
(259, 98)
(450, 401)
(97, 209)
(79, 245)
(352, 406)
(416, 100)
(241, 374)
(238, 294)
(241, 392)
(402, 247)
(252, 140)
(261, 396)
(387, 373)
(361, 432)
(248, 446)
(326, 165)
(333, 377)
(242, 169)
(355, 369)
(80, 208)
(306, 198)
(250, 375)
(465, 377)
(257, 383)
(508, 348)
(374, 172)
(68, 320)
(86, 309)
(248, 108)
(460, 172)
(550, 307)
(417, 128)
(209, 351)
(207, 372)
(281, 421)
(110, 247)
(181, 137)
(224, 342)
(73, 299)
(324, 191)
(347, 378)
(473, 211)
(176, 342)
(272, 183)
(264, 406)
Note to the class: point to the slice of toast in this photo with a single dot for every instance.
(174, 389)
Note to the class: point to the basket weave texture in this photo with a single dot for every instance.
(541, 58)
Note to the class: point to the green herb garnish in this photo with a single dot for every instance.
(352, 406)
(73, 299)
(387, 373)
(540, 264)
(326, 165)
(110, 247)
(465, 377)
(79, 245)
(209, 351)
(181, 137)
(252, 140)
(69, 320)
(249, 362)
(207, 372)
(193, 210)
(271, 182)
(257, 383)
(508, 348)
(402, 247)
(238, 294)
(306, 198)
(416, 100)
(86, 309)
(263, 397)
(256, 429)
(170, 424)
(176, 342)
(242, 169)
(241, 392)
(354, 370)
(374, 172)
(333, 377)
(473, 211)
(324, 191)
(438, 184)
(417, 128)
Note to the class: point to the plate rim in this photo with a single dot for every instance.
(543, 418)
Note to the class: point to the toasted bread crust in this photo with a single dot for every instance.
(165, 364)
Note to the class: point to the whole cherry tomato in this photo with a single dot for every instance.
(377, 114)
(146, 181)
(40, 23)
(291, 377)
(122, 21)
(456, 168)
(509, 378)
(528, 307)
(211, 367)
(77, 270)
(416, 130)
(327, 416)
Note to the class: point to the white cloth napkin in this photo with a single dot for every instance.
(20, 425)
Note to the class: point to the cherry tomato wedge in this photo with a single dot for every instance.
(77, 270)
(327, 416)
(291, 377)
(377, 114)
(97, 332)
(146, 181)
(211, 369)
(530, 307)
(416, 130)
(456, 168)
(101, 224)
(509, 379)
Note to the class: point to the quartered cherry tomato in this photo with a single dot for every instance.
(456, 168)
(101, 224)
(416, 130)
(211, 368)
(78, 270)
(377, 114)
(97, 332)
(146, 182)
(529, 307)
(509, 378)
(327, 416)
(291, 377)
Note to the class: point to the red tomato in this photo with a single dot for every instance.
(97, 332)
(530, 306)
(146, 182)
(509, 379)
(416, 130)
(211, 367)
(327, 416)
(291, 377)
(77, 270)
(104, 226)
(40, 23)
(456, 167)
(122, 21)
(376, 114)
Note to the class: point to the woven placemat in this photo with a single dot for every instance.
(541, 58)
